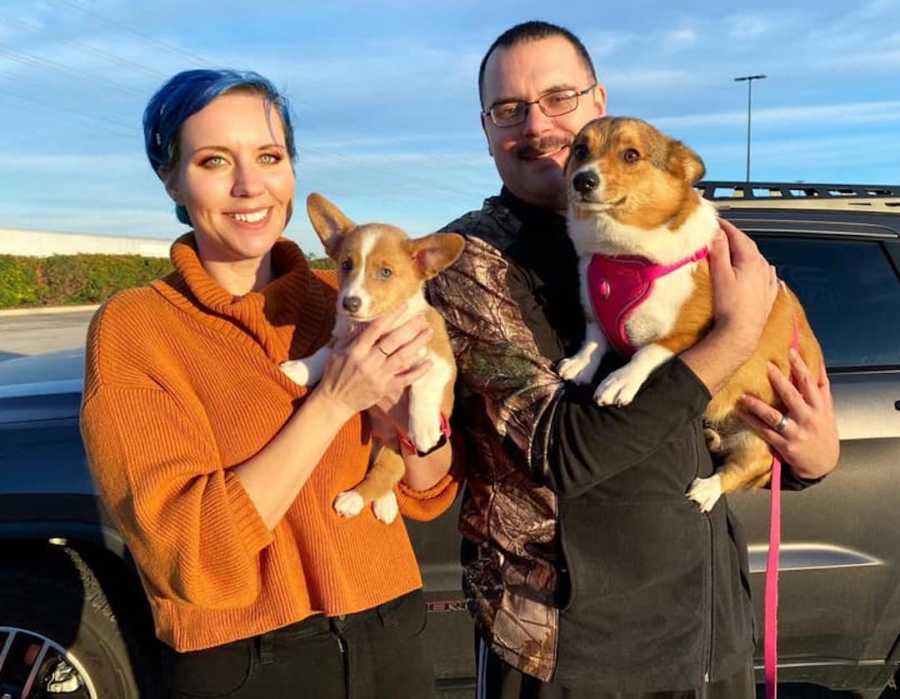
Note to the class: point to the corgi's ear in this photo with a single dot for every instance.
(685, 163)
(328, 221)
(435, 252)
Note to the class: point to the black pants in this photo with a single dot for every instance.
(496, 679)
(380, 653)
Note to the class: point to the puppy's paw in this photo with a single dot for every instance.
(424, 432)
(386, 508)
(706, 492)
(297, 371)
(348, 503)
(713, 440)
(577, 369)
(619, 388)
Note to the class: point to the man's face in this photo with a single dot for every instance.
(530, 156)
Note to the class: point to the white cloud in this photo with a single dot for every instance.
(887, 59)
(157, 223)
(680, 37)
(641, 79)
(602, 44)
(746, 26)
(112, 165)
(851, 113)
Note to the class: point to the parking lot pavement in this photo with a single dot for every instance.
(33, 333)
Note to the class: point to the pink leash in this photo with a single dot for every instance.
(770, 598)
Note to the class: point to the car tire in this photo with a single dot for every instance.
(54, 596)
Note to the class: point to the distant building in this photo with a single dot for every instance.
(45, 244)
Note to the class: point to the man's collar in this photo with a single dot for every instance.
(529, 212)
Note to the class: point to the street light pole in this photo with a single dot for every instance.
(749, 79)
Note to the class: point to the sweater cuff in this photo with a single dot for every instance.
(425, 505)
(251, 528)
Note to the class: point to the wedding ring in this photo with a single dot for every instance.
(782, 423)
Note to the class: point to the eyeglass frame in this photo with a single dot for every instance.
(578, 95)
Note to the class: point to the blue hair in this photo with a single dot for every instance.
(187, 93)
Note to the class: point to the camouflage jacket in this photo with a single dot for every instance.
(505, 390)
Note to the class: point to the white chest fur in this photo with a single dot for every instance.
(656, 315)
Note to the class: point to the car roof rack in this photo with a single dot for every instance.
(800, 195)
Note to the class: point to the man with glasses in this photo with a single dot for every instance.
(588, 571)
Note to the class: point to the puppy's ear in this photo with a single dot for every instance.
(685, 163)
(328, 221)
(435, 252)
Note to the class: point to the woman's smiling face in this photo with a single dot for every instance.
(234, 177)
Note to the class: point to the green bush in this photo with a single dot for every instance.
(73, 279)
(79, 279)
(63, 280)
(18, 281)
(322, 263)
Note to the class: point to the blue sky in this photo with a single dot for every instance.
(385, 101)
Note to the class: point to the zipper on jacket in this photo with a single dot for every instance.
(710, 580)
(709, 622)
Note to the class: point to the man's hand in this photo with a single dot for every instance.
(744, 288)
(809, 440)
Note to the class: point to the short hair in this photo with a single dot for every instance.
(187, 93)
(532, 31)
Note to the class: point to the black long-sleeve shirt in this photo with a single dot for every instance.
(583, 559)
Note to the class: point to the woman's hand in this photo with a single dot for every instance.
(808, 439)
(376, 363)
(389, 416)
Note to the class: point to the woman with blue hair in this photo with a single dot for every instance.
(219, 471)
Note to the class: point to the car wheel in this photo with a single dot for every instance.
(58, 635)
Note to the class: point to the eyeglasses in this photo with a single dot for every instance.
(553, 104)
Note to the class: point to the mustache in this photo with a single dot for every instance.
(538, 146)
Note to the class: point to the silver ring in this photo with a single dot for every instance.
(386, 354)
(782, 423)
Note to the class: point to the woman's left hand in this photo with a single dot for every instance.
(808, 439)
(389, 416)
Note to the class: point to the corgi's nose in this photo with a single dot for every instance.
(586, 181)
(352, 303)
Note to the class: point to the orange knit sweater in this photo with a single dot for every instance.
(182, 383)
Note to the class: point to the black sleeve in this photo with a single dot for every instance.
(587, 444)
(553, 428)
(791, 481)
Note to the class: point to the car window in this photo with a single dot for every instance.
(851, 294)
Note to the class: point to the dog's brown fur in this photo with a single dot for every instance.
(412, 262)
(654, 189)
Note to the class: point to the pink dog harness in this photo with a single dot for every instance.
(618, 285)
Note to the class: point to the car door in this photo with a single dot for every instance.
(839, 612)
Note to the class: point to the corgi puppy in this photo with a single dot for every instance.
(642, 233)
(380, 269)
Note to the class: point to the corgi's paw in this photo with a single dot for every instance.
(348, 503)
(578, 369)
(706, 492)
(297, 371)
(309, 370)
(386, 508)
(619, 388)
(424, 432)
(713, 440)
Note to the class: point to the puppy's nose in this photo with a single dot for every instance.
(352, 303)
(586, 181)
